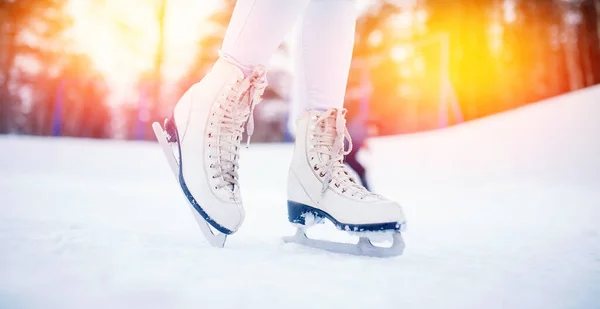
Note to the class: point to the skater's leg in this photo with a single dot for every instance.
(258, 27)
(319, 184)
(210, 118)
(322, 54)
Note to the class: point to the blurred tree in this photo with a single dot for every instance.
(80, 93)
(154, 84)
(371, 65)
(154, 104)
(540, 67)
(68, 98)
(37, 71)
(506, 53)
(209, 44)
(26, 25)
(591, 45)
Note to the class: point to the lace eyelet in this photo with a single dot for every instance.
(337, 185)
(322, 174)
(315, 168)
(216, 188)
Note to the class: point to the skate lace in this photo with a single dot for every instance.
(330, 133)
(232, 114)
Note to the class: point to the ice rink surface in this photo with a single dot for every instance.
(503, 212)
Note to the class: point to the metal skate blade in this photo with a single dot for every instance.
(364, 247)
(214, 239)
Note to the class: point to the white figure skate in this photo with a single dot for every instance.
(201, 142)
(320, 186)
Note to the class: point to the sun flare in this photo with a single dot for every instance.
(121, 37)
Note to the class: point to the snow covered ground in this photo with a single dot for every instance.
(503, 212)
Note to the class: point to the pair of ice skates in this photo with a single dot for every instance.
(201, 142)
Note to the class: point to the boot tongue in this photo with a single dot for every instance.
(329, 135)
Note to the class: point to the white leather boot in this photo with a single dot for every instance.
(320, 185)
(207, 126)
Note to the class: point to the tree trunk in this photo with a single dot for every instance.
(7, 59)
(572, 52)
(591, 52)
(156, 93)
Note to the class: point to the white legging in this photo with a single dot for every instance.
(322, 52)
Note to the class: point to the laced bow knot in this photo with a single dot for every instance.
(258, 84)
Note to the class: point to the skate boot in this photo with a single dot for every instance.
(202, 139)
(320, 187)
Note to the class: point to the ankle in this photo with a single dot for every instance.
(246, 69)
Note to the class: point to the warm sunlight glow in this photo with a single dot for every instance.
(121, 36)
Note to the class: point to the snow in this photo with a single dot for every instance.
(502, 213)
